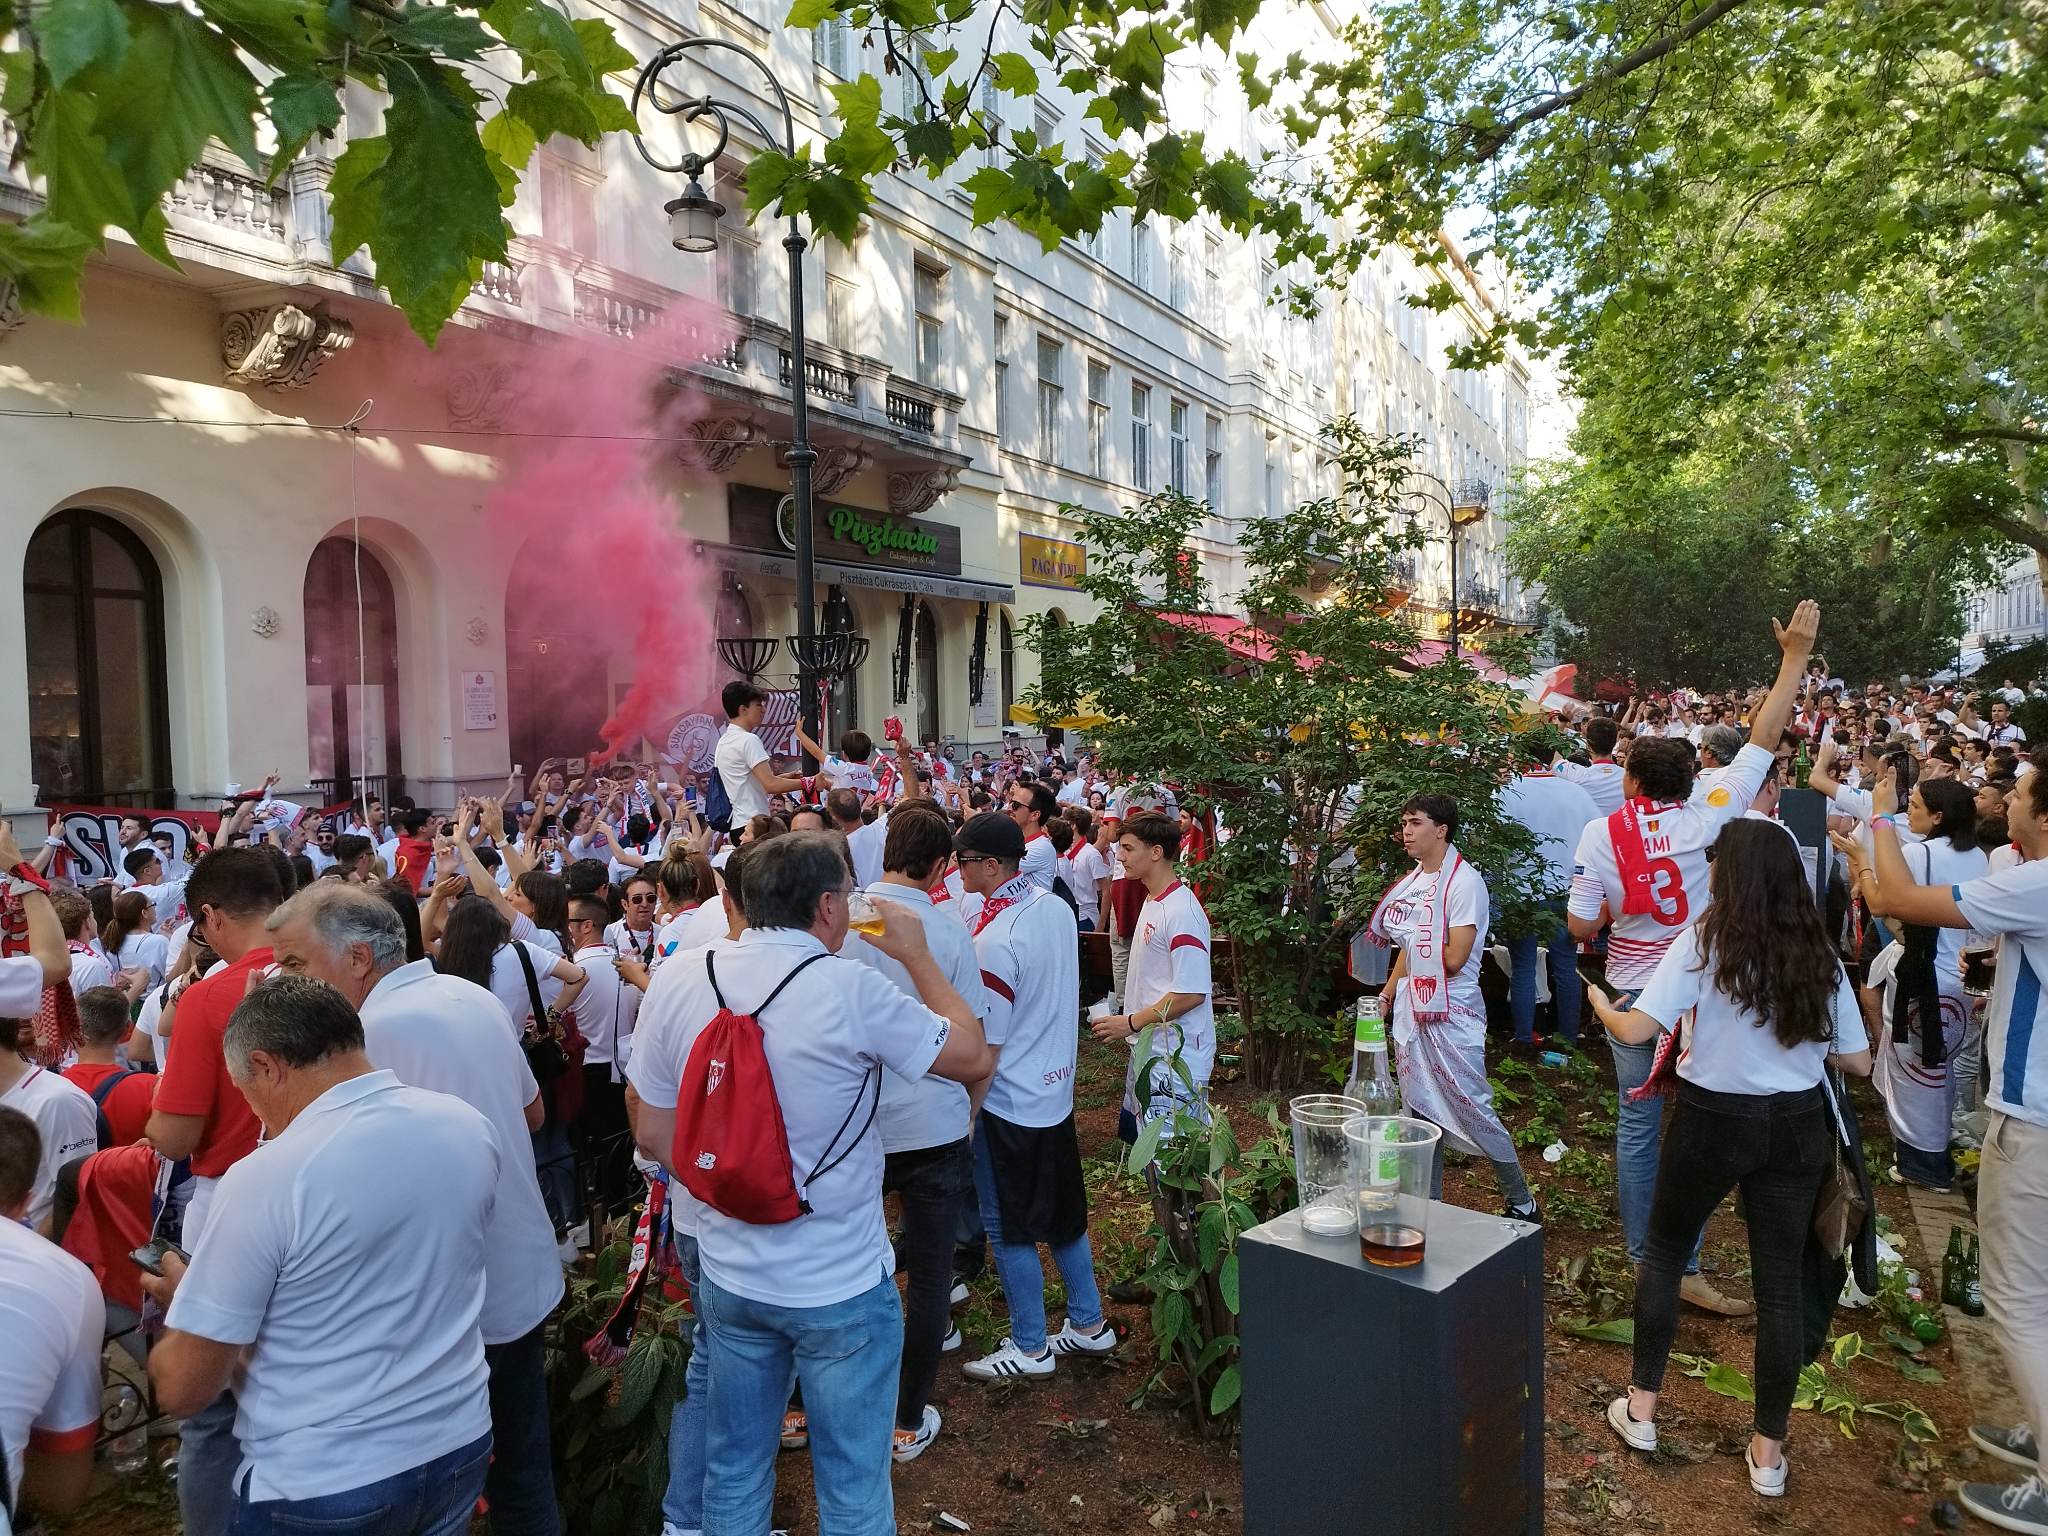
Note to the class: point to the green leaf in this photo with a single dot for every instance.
(439, 211)
(353, 196)
(45, 260)
(1846, 1348)
(1617, 1330)
(547, 40)
(939, 60)
(594, 1380)
(602, 50)
(17, 82)
(1727, 1381)
(77, 34)
(553, 106)
(1014, 74)
(1146, 1146)
(768, 173)
(861, 150)
(285, 34)
(1223, 1397)
(990, 189)
(1913, 1370)
(443, 30)
(1226, 1282)
(84, 188)
(301, 105)
(929, 141)
(859, 102)
(837, 204)
(510, 139)
(806, 14)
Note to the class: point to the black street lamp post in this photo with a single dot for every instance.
(1459, 518)
(693, 226)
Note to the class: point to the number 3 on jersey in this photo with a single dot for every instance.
(1667, 892)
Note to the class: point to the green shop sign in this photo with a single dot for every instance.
(888, 536)
(765, 519)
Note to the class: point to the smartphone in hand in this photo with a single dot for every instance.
(150, 1257)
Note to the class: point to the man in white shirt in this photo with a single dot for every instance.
(1602, 778)
(864, 839)
(441, 1033)
(2001, 731)
(606, 1011)
(1555, 811)
(924, 1125)
(1086, 871)
(146, 874)
(133, 833)
(742, 760)
(337, 1282)
(1027, 1159)
(89, 966)
(811, 1297)
(1031, 805)
(55, 1323)
(1661, 834)
(66, 1121)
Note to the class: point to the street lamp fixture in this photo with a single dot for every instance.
(693, 226)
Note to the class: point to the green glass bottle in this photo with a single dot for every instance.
(1953, 1265)
(1973, 1282)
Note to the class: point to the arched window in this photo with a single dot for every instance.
(93, 603)
(352, 705)
(557, 661)
(927, 674)
(1009, 669)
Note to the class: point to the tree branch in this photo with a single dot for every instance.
(1995, 434)
(1491, 143)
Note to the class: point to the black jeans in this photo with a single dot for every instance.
(604, 1143)
(521, 1482)
(1775, 1148)
(933, 1183)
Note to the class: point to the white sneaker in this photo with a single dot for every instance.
(1767, 1482)
(1069, 1341)
(910, 1444)
(1635, 1434)
(952, 1340)
(1009, 1363)
(959, 1295)
(568, 1252)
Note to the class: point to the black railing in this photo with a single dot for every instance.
(1472, 494)
(331, 791)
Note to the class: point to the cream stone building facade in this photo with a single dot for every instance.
(222, 577)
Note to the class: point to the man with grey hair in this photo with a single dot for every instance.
(811, 1297)
(448, 1035)
(1718, 745)
(338, 1276)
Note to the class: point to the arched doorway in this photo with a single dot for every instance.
(1009, 669)
(927, 643)
(93, 606)
(557, 664)
(352, 704)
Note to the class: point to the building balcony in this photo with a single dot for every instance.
(1471, 500)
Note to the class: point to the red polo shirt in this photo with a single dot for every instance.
(127, 1107)
(195, 1079)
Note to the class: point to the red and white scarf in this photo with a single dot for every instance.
(1008, 894)
(1632, 856)
(1429, 993)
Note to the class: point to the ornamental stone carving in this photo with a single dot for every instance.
(717, 443)
(11, 317)
(264, 623)
(482, 396)
(477, 631)
(837, 463)
(913, 491)
(280, 347)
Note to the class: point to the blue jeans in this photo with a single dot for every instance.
(208, 1454)
(435, 1498)
(1565, 987)
(521, 1481)
(845, 1356)
(1637, 1130)
(1023, 1276)
(682, 1506)
(554, 1162)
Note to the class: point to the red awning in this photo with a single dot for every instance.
(1428, 653)
(1237, 636)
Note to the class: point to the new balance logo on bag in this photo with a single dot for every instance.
(731, 1149)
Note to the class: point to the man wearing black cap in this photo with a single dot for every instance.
(1027, 1159)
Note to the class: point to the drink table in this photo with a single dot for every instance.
(1395, 1402)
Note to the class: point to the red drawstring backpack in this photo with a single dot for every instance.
(730, 1149)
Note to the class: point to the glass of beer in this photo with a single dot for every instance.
(862, 914)
(1387, 1168)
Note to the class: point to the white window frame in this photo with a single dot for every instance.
(1177, 444)
(1141, 435)
(1099, 416)
(1051, 392)
(930, 307)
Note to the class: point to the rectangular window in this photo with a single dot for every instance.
(1177, 445)
(931, 323)
(841, 316)
(1212, 466)
(914, 83)
(1092, 240)
(1002, 358)
(1098, 419)
(991, 113)
(832, 46)
(1142, 239)
(1272, 479)
(568, 205)
(1050, 389)
(1212, 280)
(1047, 123)
(1181, 282)
(736, 273)
(1141, 436)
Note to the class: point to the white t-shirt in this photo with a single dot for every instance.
(1170, 953)
(21, 986)
(1031, 966)
(1600, 779)
(1041, 862)
(436, 1032)
(1731, 1050)
(169, 901)
(349, 1249)
(1465, 905)
(826, 1036)
(1085, 872)
(149, 952)
(88, 970)
(1556, 810)
(508, 981)
(55, 1323)
(2014, 905)
(1938, 862)
(858, 777)
(1676, 838)
(633, 946)
(66, 1121)
(865, 844)
(605, 1010)
(932, 1111)
(735, 756)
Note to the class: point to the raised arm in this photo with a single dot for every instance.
(1822, 776)
(45, 930)
(1795, 644)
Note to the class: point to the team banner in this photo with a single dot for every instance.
(92, 836)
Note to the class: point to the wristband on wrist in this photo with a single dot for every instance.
(1884, 821)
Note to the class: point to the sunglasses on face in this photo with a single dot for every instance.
(975, 858)
(639, 901)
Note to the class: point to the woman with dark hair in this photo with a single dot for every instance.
(1771, 1010)
(543, 900)
(1920, 972)
(1436, 916)
(130, 941)
(399, 894)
